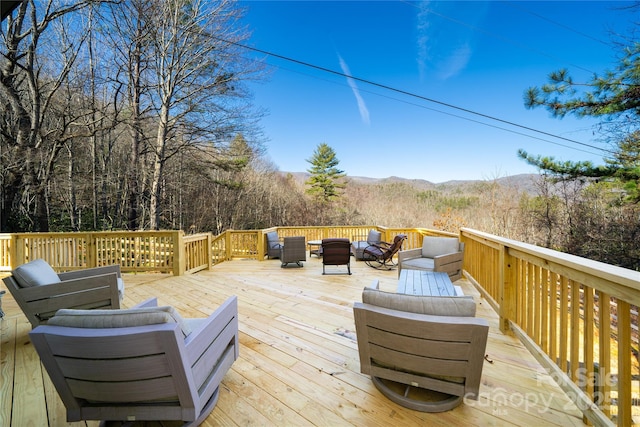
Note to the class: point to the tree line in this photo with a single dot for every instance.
(135, 115)
(107, 104)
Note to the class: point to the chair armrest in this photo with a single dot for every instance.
(409, 254)
(221, 325)
(445, 259)
(78, 285)
(88, 272)
(381, 245)
(41, 302)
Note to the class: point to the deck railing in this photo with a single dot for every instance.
(167, 251)
(578, 317)
(139, 251)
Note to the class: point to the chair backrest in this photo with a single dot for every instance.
(395, 246)
(433, 246)
(293, 249)
(272, 242)
(40, 292)
(374, 236)
(440, 353)
(272, 239)
(146, 372)
(336, 251)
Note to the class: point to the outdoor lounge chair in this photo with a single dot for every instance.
(442, 254)
(273, 245)
(422, 352)
(40, 291)
(293, 249)
(380, 255)
(140, 364)
(358, 245)
(336, 251)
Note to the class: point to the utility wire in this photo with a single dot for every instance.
(415, 104)
(411, 94)
(559, 24)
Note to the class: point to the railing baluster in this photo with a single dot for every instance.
(624, 363)
(604, 353)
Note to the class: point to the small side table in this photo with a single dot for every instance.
(317, 244)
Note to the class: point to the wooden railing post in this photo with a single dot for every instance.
(179, 255)
(16, 252)
(261, 245)
(209, 250)
(91, 250)
(227, 245)
(507, 277)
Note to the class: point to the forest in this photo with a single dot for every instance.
(135, 115)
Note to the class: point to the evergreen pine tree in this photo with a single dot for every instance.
(325, 183)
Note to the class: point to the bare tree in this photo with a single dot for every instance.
(198, 73)
(39, 126)
(130, 37)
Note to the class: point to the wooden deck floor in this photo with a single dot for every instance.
(298, 360)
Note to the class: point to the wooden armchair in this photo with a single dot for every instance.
(40, 291)
(443, 254)
(411, 350)
(140, 364)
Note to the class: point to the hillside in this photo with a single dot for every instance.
(522, 182)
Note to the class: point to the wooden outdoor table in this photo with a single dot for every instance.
(318, 247)
(418, 282)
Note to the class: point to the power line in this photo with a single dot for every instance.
(559, 24)
(413, 95)
(444, 112)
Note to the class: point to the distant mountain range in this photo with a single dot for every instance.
(524, 182)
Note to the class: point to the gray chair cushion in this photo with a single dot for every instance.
(434, 305)
(99, 319)
(273, 240)
(419, 263)
(35, 273)
(374, 236)
(434, 246)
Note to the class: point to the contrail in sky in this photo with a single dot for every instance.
(364, 112)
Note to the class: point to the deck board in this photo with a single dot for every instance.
(298, 356)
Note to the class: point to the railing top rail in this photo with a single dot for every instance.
(93, 233)
(619, 275)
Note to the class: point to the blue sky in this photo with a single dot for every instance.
(479, 56)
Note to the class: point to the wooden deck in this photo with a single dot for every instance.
(298, 360)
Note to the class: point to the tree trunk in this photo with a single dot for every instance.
(158, 164)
